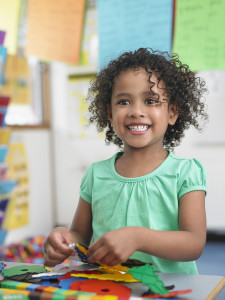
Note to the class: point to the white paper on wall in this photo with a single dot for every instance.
(213, 133)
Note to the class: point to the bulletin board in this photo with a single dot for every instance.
(22, 82)
(77, 108)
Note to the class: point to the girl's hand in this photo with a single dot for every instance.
(113, 247)
(56, 248)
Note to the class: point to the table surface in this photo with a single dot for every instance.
(204, 287)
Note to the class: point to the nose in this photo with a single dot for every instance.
(136, 110)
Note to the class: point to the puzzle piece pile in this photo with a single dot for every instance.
(90, 280)
(29, 250)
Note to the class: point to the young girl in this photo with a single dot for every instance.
(144, 202)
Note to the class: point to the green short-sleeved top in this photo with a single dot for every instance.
(149, 201)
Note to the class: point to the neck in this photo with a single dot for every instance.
(142, 154)
(139, 162)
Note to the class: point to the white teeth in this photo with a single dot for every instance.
(138, 128)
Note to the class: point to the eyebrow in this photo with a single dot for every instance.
(128, 94)
(122, 94)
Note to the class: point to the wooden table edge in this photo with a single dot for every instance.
(216, 290)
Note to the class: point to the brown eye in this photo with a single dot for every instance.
(151, 101)
(124, 102)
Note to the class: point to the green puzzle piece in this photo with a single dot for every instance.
(146, 274)
(23, 269)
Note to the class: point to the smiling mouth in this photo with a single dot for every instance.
(139, 128)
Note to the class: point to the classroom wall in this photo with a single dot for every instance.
(38, 147)
(58, 162)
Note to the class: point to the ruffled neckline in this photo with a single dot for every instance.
(135, 179)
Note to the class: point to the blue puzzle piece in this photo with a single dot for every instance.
(65, 283)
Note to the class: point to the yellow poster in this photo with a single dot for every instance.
(17, 214)
(17, 80)
(9, 21)
(77, 108)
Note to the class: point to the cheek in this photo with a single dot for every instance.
(117, 121)
(115, 116)
(156, 115)
(161, 113)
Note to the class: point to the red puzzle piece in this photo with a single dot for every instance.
(100, 287)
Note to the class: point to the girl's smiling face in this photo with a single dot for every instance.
(139, 111)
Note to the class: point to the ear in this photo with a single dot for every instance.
(173, 114)
(109, 112)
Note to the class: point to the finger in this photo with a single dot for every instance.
(93, 248)
(55, 255)
(52, 262)
(114, 262)
(67, 239)
(98, 254)
(49, 261)
(109, 260)
(53, 258)
(61, 247)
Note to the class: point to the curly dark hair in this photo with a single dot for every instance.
(183, 89)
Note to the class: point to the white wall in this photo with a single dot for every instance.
(209, 147)
(212, 157)
(71, 157)
(38, 148)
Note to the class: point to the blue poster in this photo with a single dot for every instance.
(128, 25)
(3, 56)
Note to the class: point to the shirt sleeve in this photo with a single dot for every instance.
(193, 178)
(86, 185)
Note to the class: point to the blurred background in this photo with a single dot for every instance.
(49, 51)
